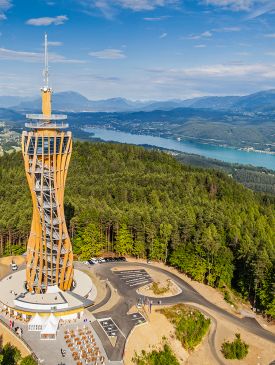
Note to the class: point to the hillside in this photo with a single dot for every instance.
(145, 203)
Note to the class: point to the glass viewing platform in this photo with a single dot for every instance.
(41, 121)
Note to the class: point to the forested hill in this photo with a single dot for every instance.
(134, 201)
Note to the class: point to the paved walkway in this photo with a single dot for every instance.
(49, 352)
(129, 298)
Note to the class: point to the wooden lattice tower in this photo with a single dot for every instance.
(47, 151)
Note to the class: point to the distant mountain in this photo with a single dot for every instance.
(213, 102)
(71, 101)
(260, 101)
(10, 115)
(11, 101)
(68, 100)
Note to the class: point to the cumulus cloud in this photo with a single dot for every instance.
(25, 56)
(44, 21)
(108, 54)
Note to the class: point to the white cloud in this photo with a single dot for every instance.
(222, 71)
(108, 54)
(109, 8)
(200, 46)
(139, 5)
(227, 29)
(55, 43)
(206, 34)
(58, 20)
(271, 35)
(156, 19)
(236, 5)
(4, 6)
(25, 56)
(254, 8)
(163, 35)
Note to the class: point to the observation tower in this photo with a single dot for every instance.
(47, 151)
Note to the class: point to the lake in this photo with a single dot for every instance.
(225, 154)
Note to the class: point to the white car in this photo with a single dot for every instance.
(14, 267)
(94, 260)
(101, 260)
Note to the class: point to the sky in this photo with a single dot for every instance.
(138, 49)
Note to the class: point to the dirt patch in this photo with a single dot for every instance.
(4, 270)
(5, 263)
(18, 260)
(150, 335)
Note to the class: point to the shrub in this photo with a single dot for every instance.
(237, 349)
(10, 355)
(190, 324)
(28, 360)
(159, 290)
(162, 357)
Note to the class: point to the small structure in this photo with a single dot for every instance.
(50, 330)
(37, 323)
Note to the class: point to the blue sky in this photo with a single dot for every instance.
(139, 49)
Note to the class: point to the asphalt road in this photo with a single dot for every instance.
(129, 297)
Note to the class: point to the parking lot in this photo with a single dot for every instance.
(137, 318)
(109, 327)
(134, 278)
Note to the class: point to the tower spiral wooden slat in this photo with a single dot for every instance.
(47, 151)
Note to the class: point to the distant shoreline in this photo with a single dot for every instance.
(185, 139)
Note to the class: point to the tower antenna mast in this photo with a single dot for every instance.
(46, 60)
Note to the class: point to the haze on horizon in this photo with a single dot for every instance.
(139, 49)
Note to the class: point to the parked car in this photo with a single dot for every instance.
(94, 260)
(14, 267)
(100, 260)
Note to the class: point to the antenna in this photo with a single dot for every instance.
(46, 67)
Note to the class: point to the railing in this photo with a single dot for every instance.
(46, 117)
(21, 339)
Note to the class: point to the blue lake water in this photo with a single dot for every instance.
(220, 153)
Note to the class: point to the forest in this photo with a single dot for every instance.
(139, 202)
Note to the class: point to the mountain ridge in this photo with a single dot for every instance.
(71, 101)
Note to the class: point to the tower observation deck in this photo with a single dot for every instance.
(47, 150)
